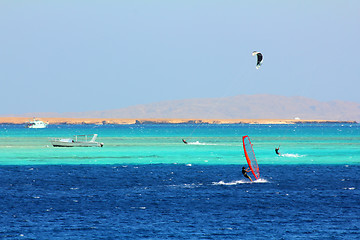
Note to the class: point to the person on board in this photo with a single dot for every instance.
(277, 151)
(244, 172)
(184, 141)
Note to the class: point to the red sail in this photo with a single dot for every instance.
(250, 157)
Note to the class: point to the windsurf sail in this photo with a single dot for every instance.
(259, 58)
(250, 157)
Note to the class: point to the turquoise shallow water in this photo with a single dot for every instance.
(208, 144)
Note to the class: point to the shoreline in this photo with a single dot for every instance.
(120, 121)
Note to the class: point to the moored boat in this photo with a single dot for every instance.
(76, 141)
(35, 123)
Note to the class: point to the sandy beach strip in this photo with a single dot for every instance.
(23, 120)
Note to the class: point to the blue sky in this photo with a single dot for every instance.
(74, 56)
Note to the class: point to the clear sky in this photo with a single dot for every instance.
(74, 56)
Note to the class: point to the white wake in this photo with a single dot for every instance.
(291, 155)
(236, 182)
(199, 143)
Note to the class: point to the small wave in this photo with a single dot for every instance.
(291, 155)
(186, 185)
(142, 208)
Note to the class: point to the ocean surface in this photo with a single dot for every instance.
(146, 184)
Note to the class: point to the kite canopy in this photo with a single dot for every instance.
(259, 58)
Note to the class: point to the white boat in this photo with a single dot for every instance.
(35, 123)
(76, 141)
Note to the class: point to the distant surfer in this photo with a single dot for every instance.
(277, 150)
(244, 172)
(184, 141)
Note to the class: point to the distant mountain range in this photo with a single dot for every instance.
(237, 107)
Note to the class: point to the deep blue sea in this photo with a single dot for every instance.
(146, 184)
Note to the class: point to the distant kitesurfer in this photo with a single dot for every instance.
(277, 151)
(184, 141)
(259, 58)
(244, 172)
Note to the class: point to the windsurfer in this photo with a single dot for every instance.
(184, 141)
(277, 151)
(244, 172)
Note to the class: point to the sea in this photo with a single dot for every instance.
(145, 183)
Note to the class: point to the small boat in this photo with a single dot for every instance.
(76, 141)
(35, 123)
